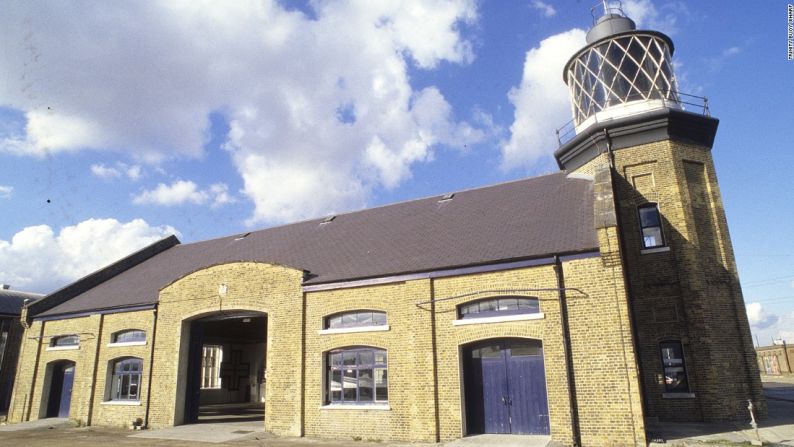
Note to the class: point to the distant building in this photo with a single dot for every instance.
(11, 331)
(776, 359)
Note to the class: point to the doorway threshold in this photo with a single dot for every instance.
(501, 441)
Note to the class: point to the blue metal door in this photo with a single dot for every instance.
(496, 415)
(506, 388)
(526, 378)
(66, 392)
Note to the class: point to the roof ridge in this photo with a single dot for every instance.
(385, 205)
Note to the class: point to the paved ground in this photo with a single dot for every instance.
(778, 430)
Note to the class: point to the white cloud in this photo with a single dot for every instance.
(305, 96)
(184, 191)
(758, 317)
(768, 326)
(132, 172)
(6, 191)
(541, 101)
(220, 195)
(647, 16)
(546, 9)
(36, 259)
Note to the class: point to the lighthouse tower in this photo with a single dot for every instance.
(648, 148)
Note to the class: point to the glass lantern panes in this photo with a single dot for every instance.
(620, 70)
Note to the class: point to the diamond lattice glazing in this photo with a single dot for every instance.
(620, 70)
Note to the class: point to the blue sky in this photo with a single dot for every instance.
(123, 122)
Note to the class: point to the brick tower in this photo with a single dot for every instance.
(649, 149)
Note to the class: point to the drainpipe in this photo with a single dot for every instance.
(434, 346)
(92, 394)
(35, 373)
(566, 340)
(151, 369)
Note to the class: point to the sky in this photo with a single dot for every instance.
(124, 122)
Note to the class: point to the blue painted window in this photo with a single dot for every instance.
(651, 226)
(358, 318)
(357, 376)
(500, 306)
(675, 376)
(65, 340)
(126, 381)
(129, 336)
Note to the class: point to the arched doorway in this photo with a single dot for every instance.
(505, 386)
(226, 363)
(59, 397)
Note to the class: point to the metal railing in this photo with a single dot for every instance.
(688, 102)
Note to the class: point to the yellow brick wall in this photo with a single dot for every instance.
(690, 293)
(408, 346)
(121, 415)
(30, 402)
(272, 289)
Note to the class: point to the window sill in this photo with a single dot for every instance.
(122, 403)
(127, 343)
(350, 330)
(506, 318)
(646, 251)
(63, 348)
(376, 407)
(678, 395)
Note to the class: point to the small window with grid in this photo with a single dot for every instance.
(211, 359)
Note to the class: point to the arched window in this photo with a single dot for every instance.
(64, 341)
(126, 379)
(357, 376)
(674, 367)
(355, 319)
(129, 336)
(499, 306)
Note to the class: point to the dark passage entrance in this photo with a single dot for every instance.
(60, 397)
(506, 387)
(226, 368)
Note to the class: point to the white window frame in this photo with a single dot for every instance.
(211, 373)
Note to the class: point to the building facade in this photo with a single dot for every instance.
(11, 332)
(577, 304)
(776, 359)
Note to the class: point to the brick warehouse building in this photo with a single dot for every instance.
(578, 304)
(11, 332)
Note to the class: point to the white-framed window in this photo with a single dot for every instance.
(355, 319)
(211, 358)
(126, 379)
(651, 226)
(356, 376)
(129, 336)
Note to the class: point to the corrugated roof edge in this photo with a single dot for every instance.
(92, 280)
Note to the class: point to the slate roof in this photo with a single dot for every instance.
(524, 219)
(11, 301)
